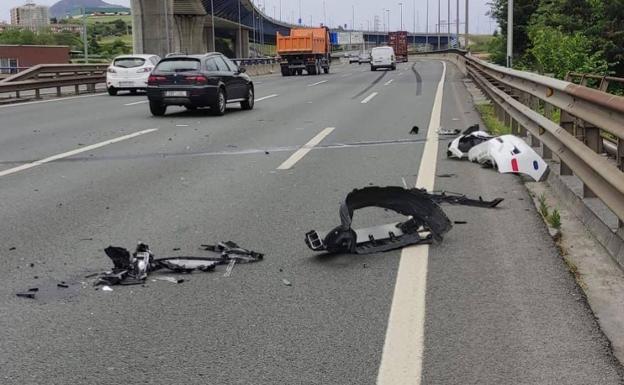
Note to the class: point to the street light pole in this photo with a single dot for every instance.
(448, 25)
(214, 48)
(240, 32)
(427, 32)
(510, 11)
(439, 27)
(401, 5)
(457, 22)
(466, 33)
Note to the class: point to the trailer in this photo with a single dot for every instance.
(306, 49)
(398, 42)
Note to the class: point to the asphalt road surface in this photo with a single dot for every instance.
(492, 304)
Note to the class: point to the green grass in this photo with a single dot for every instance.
(110, 39)
(495, 126)
(105, 19)
(479, 43)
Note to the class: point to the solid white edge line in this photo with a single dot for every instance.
(135, 103)
(402, 356)
(317, 83)
(300, 153)
(369, 98)
(266, 97)
(53, 100)
(73, 152)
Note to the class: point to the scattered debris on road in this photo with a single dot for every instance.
(414, 130)
(133, 269)
(286, 282)
(506, 153)
(510, 154)
(448, 131)
(426, 221)
(26, 295)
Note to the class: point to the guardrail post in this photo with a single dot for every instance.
(58, 91)
(567, 123)
(17, 94)
(534, 105)
(548, 112)
(37, 94)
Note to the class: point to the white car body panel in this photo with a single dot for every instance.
(510, 154)
(455, 152)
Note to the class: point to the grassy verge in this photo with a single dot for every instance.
(493, 125)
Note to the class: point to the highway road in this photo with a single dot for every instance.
(492, 304)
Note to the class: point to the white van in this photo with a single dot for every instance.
(383, 57)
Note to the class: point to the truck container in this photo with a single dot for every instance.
(398, 42)
(306, 49)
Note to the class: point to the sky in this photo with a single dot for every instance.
(340, 12)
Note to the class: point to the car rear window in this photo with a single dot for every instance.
(129, 62)
(178, 65)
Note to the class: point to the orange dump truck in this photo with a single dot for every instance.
(306, 49)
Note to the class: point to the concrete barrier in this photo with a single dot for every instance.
(262, 69)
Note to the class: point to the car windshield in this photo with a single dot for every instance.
(178, 65)
(129, 62)
(381, 50)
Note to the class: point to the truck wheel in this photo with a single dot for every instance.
(300, 72)
(326, 70)
(373, 68)
(112, 91)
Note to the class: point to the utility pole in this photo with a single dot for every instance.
(280, 10)
(388, 11)
(401, 5)
(85, 40)
(414, 9)
(510, 11)
(325, 14)
(214, 47)
(300, 20)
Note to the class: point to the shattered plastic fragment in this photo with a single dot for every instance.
(425, 220)
(106, 288)
(26, 295)
(471, 137)
(448, 131)
(230, 267)
(170, 279)
(414, 130)
(286, 282)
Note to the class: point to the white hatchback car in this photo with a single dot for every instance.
(130, 73)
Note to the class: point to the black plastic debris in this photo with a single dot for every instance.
(62, 285)
(26, 295)
(132, 269)
(470, 137)
(414, 130)
(448, 131)
(425, 223)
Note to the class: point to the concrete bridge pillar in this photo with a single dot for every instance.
(208, 37)
(189, 37)
(164, 26)
(241, 43)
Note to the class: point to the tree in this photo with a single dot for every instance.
(523, 11)
(556, 52)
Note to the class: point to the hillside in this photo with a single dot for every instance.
(63, 7)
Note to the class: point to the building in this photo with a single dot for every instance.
(101, 11)
(31, 16)
(14, 58)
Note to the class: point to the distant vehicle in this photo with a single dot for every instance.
(306, 49)
(383, 57)
(209, 80)
(398, 42)
(364, 58)
(129, 73)
(354, 59)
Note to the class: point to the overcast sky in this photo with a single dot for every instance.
(341, 12)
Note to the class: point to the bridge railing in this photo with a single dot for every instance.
(50, 76)
(254, 61)
(527, 102)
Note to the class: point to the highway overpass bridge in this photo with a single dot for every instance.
(163, 26)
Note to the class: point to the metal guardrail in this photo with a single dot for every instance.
(527, 101)
(520, 97)
(57, 76)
